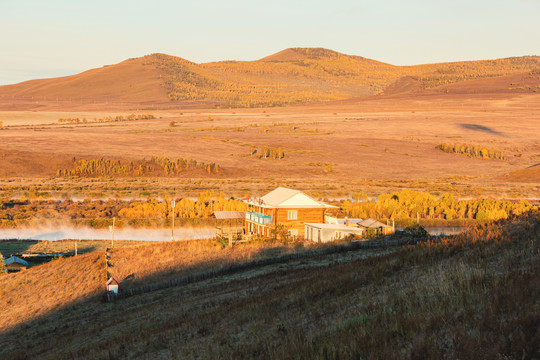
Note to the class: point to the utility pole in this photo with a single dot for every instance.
(111, 229)
(173, 205)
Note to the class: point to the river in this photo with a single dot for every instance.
(85, 233)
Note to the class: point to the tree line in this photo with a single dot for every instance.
(267, 152)
(156, 166)
(204, 207)
(407, 204)
(473, 151)
(117, 118)
(99, 213)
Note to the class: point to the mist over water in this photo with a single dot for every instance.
(445, 230)
(85, 233)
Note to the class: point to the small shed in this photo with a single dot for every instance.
(376, 226)
(112, 285)
(318, 232)
(15, 264)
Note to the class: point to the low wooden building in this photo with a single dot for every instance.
(318, 232)
(283, 209)
(15, 264)
(375, 227)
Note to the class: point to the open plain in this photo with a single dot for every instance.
(352, 144)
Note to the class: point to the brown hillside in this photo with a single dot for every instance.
(131, 80)
(291, 76)
(528, 175)
(404, 85)
(528, 82)
(419, 299)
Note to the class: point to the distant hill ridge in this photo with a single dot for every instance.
(291, 76)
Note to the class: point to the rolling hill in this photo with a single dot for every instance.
(291, 76)
(470, 296)
(527, 82)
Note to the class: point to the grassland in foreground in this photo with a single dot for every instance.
(470, 296)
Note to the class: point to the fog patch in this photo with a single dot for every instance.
(86, 233)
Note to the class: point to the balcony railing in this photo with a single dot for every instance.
(259, 218)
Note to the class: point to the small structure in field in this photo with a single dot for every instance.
(15, 264)
(318, 232)
(231, 226)
(376, 227)
(112, 285)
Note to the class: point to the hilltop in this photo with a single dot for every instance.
(291, 76)
(474, 295)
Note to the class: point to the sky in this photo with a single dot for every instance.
(40, 39)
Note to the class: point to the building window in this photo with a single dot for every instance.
(293, 232)
(292, 215)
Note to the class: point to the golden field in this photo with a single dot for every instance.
(333, 148)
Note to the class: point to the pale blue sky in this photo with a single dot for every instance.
(47, 38)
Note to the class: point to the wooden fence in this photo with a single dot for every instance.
(235, 268)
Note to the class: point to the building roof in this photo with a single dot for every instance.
(351, 221)
(371, 223)
(112, 281)
(230, 214)
(339, 227)
(14, 259)
(288, 198)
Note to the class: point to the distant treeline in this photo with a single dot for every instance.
(106, 119)
(156, 166)
(99, 213)
(203, 207)
(472, 151)
(266, 152)
(407, 204)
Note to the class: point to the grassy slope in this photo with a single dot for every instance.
(529, 175)
(290, 76)
(473, 296)
(128, 80)
(526, 82)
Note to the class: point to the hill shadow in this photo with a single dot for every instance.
(9, 247)
(89, 327)
(481, 128)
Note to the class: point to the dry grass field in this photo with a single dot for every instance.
(453, 297)
(337, 146)
(335, 142)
